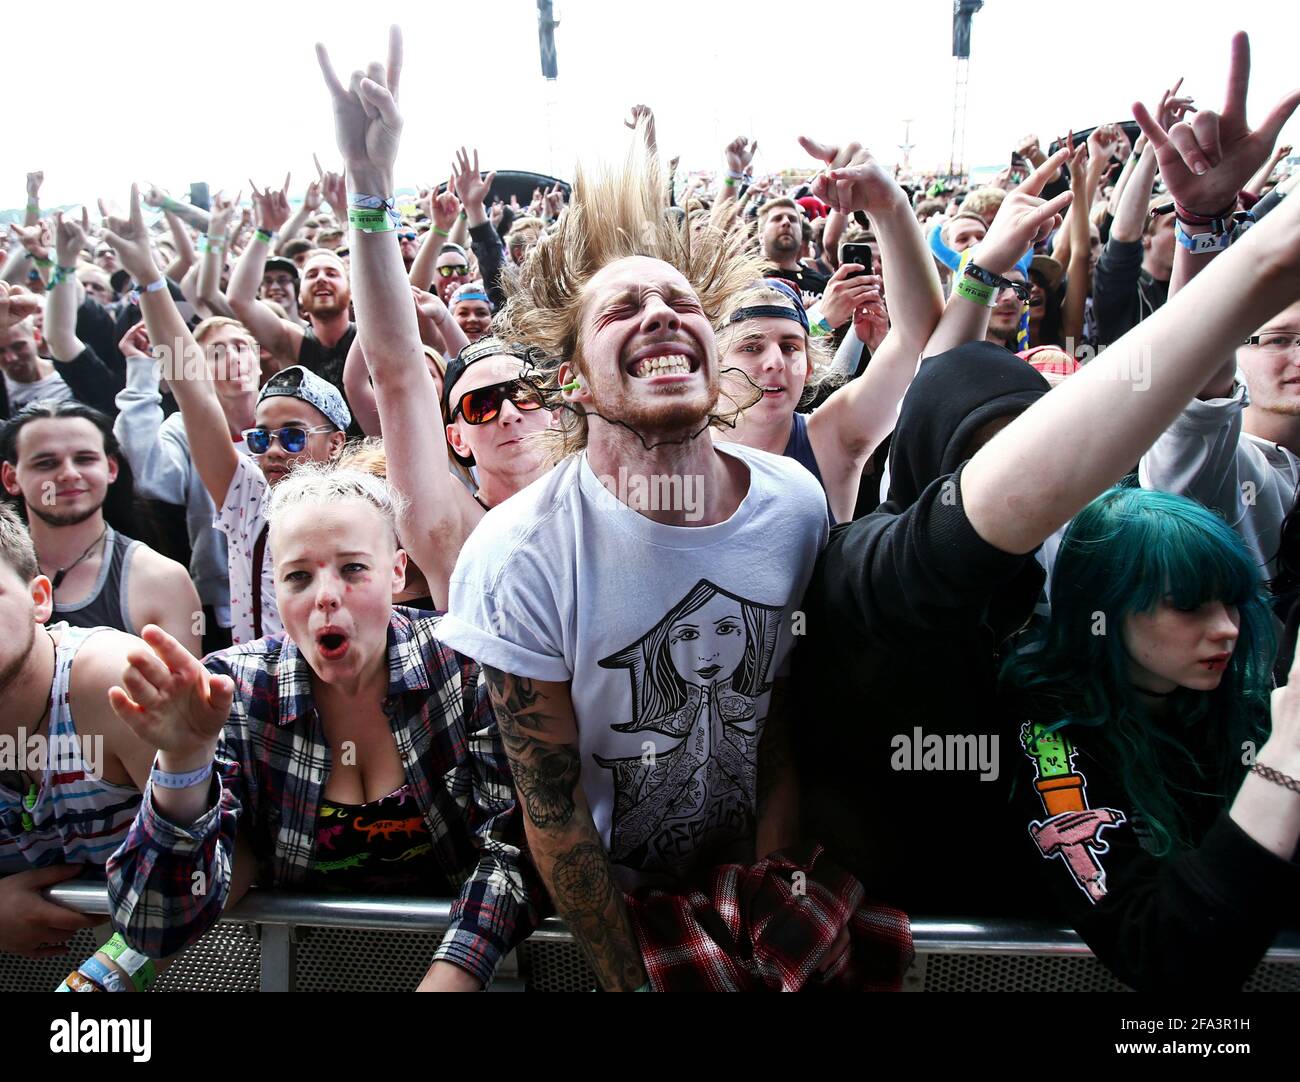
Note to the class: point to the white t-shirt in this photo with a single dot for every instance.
(241, 518)
(670, 637)
(50, 389)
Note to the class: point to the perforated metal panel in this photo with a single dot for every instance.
(358, 960)
(227, 959)
(1274, 977)
(549, 966)
(44, 974)
(1015, 973)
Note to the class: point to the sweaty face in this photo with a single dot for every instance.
(1272, 368)
(772, 353)
(782, 233)
(281, 411)
(498, 446)
(62, 472)
(336, 570)
(648, 351)
(325, 290)
(474, 318)
(1174, 647)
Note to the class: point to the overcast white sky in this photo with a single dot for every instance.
(221, 92)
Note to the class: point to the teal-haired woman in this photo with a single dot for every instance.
(1162, 802)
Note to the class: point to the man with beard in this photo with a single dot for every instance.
(66, 814)
(61, 461)
(632, 607)
(780, 226)
(324, 299)
(1008, 312)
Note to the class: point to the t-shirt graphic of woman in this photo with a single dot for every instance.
(697, 676)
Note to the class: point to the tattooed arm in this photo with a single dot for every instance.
(778, 786)
(540, 735)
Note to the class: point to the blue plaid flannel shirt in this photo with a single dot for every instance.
(271, 769)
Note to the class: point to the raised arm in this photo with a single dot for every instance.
(184, 363)
(279, 336)
(438, 513)
(213, 262)
(1078, 271)
(540, 734)
(310, 205)
(1019, 489)
(188, 213)
(852, 422)
(185, 257)
(64, 296)
(444, 208)
(1022, 219)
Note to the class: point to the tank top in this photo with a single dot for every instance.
(106, 605)
(799, 447)
(77, 818)
(380, 846)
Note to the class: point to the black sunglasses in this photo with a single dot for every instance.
(482, 405)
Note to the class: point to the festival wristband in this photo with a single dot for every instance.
(440, 232)
(166, 780)
(104, 975)
(42, 262)
(371, 221)
(975, 292)
(61, 275)
(136, 965)
(729, 182)
(1202, 243)
(820, 327)
(156, 286)
(77, 981)
(33, 206)
(265, 235)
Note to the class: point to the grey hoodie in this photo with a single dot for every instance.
(1251, 482)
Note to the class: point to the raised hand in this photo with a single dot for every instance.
(444, 207)
(271, 206)
(1102, 142)
(129, 236)
(644, 113)
(34, 182)
(1028, 148)
(35, 238)
(495, 213)
(1172, 108)
(312, 198)
(367, 124)
(430, 313)
(854, 179)
(871, 322)
(16, 304)
(69, 237)
(223, 210)
(333, 190)
(170, 700)
(1205, 162)
(135, 343)
(554, 201)
(1023, 219)
(739, 153)
(469, 186)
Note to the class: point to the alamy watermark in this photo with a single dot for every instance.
(63, 753)
(659, 492)
(946, 751)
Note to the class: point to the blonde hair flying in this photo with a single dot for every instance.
(615, 214)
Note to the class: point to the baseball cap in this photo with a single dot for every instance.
(305, 385)
(279, 263)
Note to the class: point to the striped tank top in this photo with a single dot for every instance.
(77, 818)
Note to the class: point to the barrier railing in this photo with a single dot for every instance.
(281, 921)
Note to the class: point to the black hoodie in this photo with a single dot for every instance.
(904, 617)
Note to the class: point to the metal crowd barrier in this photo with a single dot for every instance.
(274, 942)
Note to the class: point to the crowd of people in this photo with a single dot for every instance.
(685, 555)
